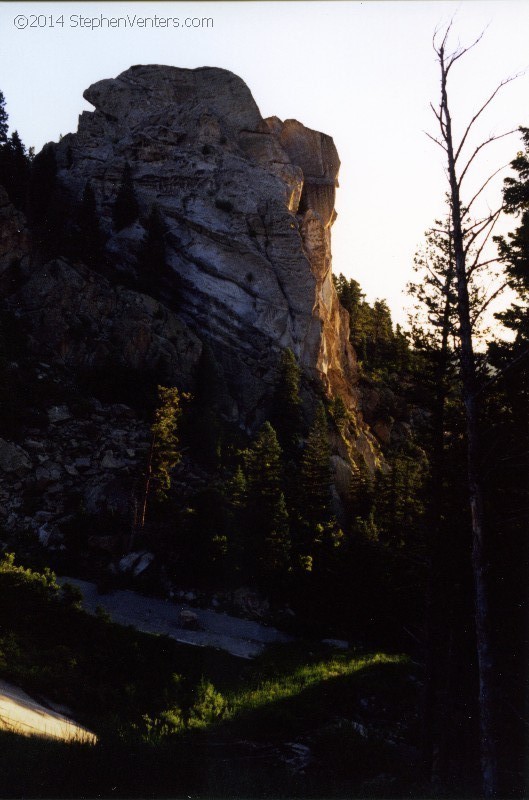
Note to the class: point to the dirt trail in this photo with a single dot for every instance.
(240, 637)
(22, 714)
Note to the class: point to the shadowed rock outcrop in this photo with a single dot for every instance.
(14, 236)
(247, 204)
(79, 319)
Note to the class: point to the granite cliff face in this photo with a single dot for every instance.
(248, 206)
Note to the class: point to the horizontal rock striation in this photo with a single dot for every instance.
(248, 206)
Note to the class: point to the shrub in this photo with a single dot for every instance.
(21, 587)
(72, 595)
(209, 706)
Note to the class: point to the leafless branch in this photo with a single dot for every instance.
(458, 52)
(488, 300)
(437, 113)
(434, 276)
(491, 220)
(480, 147)
(412, 635)
(478, 265)
(485, 184)
(478, 222)
(429, 135)
(440, 49)
(481, 110)
(475, 265)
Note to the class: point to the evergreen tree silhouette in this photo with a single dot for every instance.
(3, 119)
(90, 242)
(126, 208)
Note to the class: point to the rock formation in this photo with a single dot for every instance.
(248, 205)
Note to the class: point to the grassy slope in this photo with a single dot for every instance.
(175, 720)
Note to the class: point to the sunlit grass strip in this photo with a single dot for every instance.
(304, 677)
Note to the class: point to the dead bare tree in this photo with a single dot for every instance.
(469, 242)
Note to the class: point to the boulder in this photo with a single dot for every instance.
(136, 563)
(143, 563)
(126, 564)
(112, 496)
(50, 537)
(110, 462)
(59, 414)
(338, 644)
(188, 620)
(251, 604)
(48, 472)
(13, 458)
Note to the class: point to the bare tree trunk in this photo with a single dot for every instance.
(134, 518)
(436, 700)
(147, 487)
(489, 766)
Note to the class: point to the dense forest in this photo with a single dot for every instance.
(396, 566)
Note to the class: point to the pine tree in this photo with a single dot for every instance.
(152, 264)
(165, 439)
(514, 253)
(320, 536)
(43, 178)
(238, 488)
(434, 330)
(90, 244)
(43, 208)
(276, 545)
(506, 405)
(399, 502)
(3, 120)
(268, 550)
(352, 298)
(205, 430)
(316, 475)
(350, 294)
(378, 347)
(164, 455)
(14, 170)
(286, 405)
(126, 208)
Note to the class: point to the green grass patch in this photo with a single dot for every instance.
(304, 677)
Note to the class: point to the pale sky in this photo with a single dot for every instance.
(363, 72)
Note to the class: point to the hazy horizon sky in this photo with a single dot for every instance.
(363, 72)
